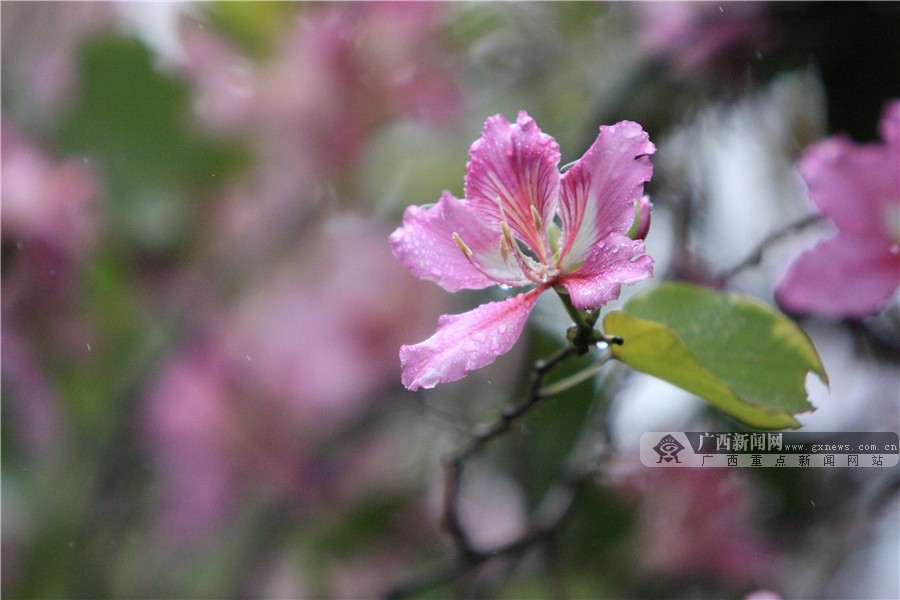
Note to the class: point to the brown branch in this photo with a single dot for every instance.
(541, 532)
(557, 500)
(453, 464)
(755, 257)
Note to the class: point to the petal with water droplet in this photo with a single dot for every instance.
(466, 342)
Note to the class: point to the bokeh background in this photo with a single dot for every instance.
(201, 313)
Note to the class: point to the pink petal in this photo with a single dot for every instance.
(852, 184)
(517, 164)
(425, 245)
(616, 260)
(890, 124)
(599, 191)
(642, 227)
(844, 276)
(466, 342)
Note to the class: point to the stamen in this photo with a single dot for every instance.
(504, 250)
(462, 245)
(538, 222)
(470, 256)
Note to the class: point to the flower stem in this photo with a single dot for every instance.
(580, 318)
(558, 387)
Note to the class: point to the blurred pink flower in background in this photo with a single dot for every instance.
(40, 42)
(192, 426)
(338, 73)
(51, 218)
(763, 595)
(303, 353)
(857, 187)
(46, 201)
(699, 36)
(224, 81)
(321, 334)
(342, 71)
(514, 192)
(697, 522)
(34, 408)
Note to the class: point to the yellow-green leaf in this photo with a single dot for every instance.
(740, 355)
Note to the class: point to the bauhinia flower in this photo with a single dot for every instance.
(524, 224)
(857, 186)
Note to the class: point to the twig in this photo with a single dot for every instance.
(554, 508)
(755, 257)
(558, 499)
(454, 463)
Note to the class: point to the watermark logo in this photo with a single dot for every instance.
(668, 449)
(753, 449)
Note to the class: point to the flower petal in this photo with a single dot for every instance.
(641, 226)
(614, 261)
(517, 164)
(425, 245)
(598, 193)
(844, 276)
(889, 126)
(466, 342)
(852, 184)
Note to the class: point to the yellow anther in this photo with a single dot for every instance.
(504, 249)
(507, 235)
(462, 245)
(538, 221)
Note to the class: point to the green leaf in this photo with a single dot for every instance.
(740, 355)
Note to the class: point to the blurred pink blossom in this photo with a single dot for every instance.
(697, 36)
(857, 186)
(33, 406)
(45, 200)
(214, 443)
(51, 219)
(223, 79)
(40, 44)
(514, 192)
(299, 356)
(316, 345)
(191, 429)
(697, 522)
(337, 73)
(342, 71)
(763, 595)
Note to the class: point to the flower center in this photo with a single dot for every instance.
(533, 268)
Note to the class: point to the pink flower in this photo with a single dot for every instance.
(858, 187)
(704, 36)
(697, 521)
(46, 200)
(505, 232)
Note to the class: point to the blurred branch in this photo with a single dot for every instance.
(558, 498)
(453, 465)
(755, 257)
(541, 532)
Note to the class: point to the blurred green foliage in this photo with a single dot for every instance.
(135, 122)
